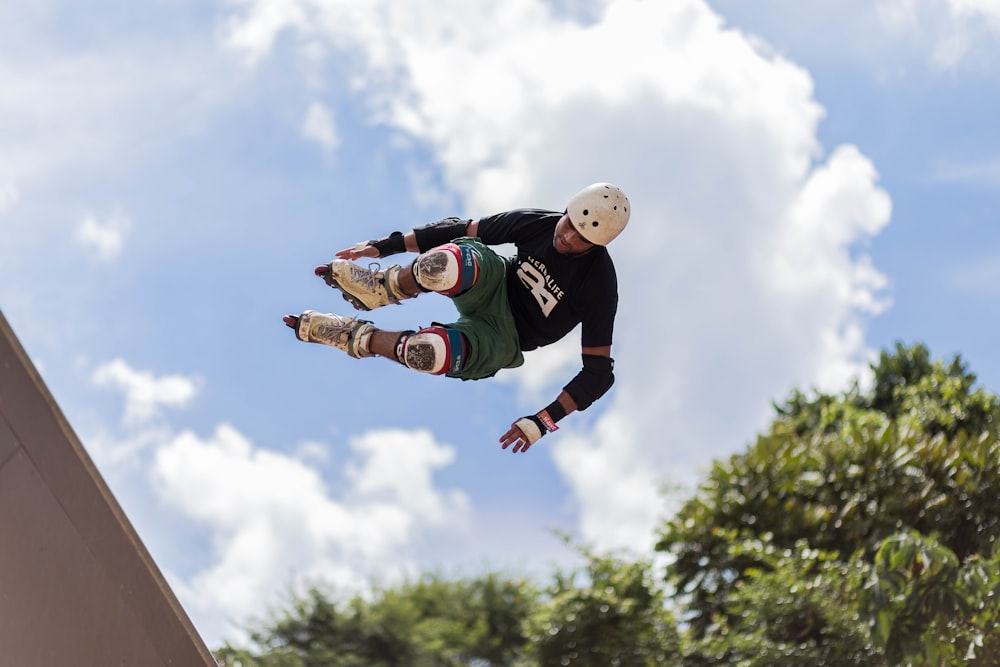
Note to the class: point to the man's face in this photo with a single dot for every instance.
(567, 241)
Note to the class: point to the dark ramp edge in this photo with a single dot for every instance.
(77, 586)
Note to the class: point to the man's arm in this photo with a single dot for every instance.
(428, 236)
(369, 249)
(592, 382)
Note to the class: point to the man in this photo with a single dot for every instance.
(562, 276)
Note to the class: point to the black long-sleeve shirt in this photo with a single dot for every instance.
(550, 293)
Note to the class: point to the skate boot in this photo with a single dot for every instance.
(349, 334)
(366, 289)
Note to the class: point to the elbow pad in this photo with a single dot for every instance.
(592, 382)
(440, 232)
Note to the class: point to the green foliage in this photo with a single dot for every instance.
(840, 493)
(907, 388)
(429, 622)
(795, 610)
(616, 618)
(926, 607)
(609, 613)
(837, 476)
(932, 396)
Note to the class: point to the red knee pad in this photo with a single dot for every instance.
(449, 269)
(436, 350)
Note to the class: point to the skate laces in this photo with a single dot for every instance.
(366, 277)
(338, 325)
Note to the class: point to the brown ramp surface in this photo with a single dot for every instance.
(77, 586)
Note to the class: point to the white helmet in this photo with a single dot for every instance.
(599, 212)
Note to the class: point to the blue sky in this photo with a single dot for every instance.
(809, 184)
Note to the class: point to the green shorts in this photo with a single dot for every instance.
(485, 317)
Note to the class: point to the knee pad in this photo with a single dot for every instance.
(436, 350)
(449, 269)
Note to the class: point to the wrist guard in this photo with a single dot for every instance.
(532, 428)
(535, 426)
(390, 245)
(440, 232)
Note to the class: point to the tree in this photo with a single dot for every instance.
(839, 475)
(797, 611)
(427, 622)
(926, 607)
(611, 613)
(907, 387)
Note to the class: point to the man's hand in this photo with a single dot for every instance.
(522, 434)
(357, 251)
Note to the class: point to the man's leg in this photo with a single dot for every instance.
(366, 288)
(436, 350)
(449, 269)
(349, 334)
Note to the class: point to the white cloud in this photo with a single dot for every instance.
(255, 33)
(84, 119)
(106, 239)
(897, 16)
(424, 191)
(275, 522)
(837, 206)
(318, 126)
(988, 9)
(951, 32)
(117, 451)
(889, 38)
(314, 451)
(535, 377)
(8, 195)
(145, 393)
(619, 493)
(101, 108)
(397, 469)
(741, 274)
